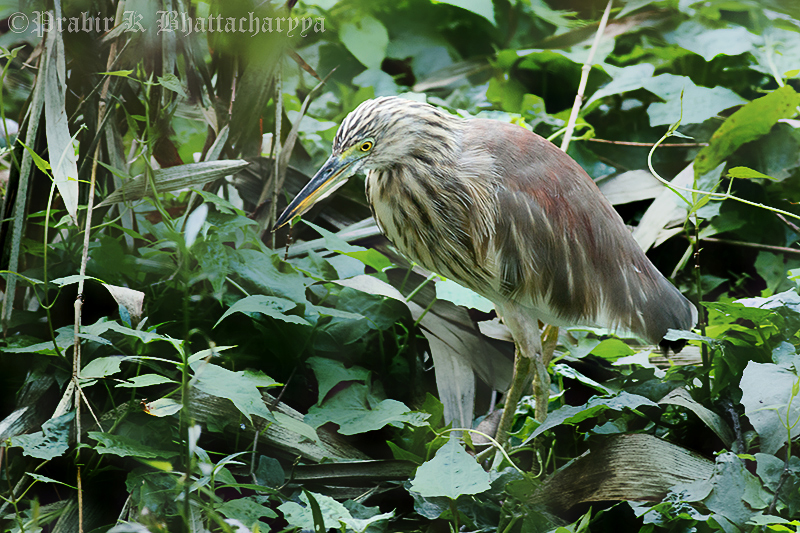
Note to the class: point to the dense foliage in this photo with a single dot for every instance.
(224, 378)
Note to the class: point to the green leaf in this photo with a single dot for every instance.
(355, 411)
(296, 426)
(710, 42)
(45, 479)
(482, 8)
(752, 121)
(123, 73)
(451, 473)
(162, 407)
(246, 510)
(145, 380)
(300, 514)
(748, 173)
(611, 349)
(572, 415)
(329, 373)
(60, 144)
(766, 396)
(270, 306)
(172, 179)
(126, 447)
(269, 472)
(569, 372)
(270, 274)
(360, 525)
(370, 257)
(171, 82)
(101, 367)
(366, 38)
(459, 295)
(52, 441)
(239, 387)
(625, 79)
(735, 491)
(697, 105)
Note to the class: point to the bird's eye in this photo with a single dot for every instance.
(366, 146)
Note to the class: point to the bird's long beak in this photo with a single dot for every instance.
(333, 174)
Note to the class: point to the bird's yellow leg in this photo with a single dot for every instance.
(519, 381)
(529, 356)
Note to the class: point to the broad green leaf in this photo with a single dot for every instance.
(735, 491)
(771, 471)
(270, 306)
(296, 426)
(239, 387)
(697, 105)
(269, 472)
(52, 441)
(300, 514)
(171, 82)
(64, 339)
(768, 402)
(752, 121)
(460, 295)
(246, 510)
(270, 274)
(126, 447)
(625, 79)
(569, 372)
(162, 407)
(366, 38)
(356, 412)
(145, 380)
(451, 473)
(330, 372)
(573, 414)
(681, 396)
(360, 525)
(482, 8)
(611, 349)
(710, 42)
(370, 257)
(101, 367)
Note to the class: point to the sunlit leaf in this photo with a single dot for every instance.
(451, 473)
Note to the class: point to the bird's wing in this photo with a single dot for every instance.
(560, 246)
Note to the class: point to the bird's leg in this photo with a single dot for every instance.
(519, 381)
(525, 329)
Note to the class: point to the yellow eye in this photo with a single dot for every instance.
(366, 146)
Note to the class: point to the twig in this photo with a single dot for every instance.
(780, 249)
(587, 66)
(276, 150)
(794, 227)
(646, 145)
(87, 232)
(737, 427)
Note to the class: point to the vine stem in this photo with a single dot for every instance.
(711, 194)
(494, 443)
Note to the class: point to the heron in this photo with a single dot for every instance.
(507, 214)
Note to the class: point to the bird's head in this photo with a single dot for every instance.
(378, 134)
